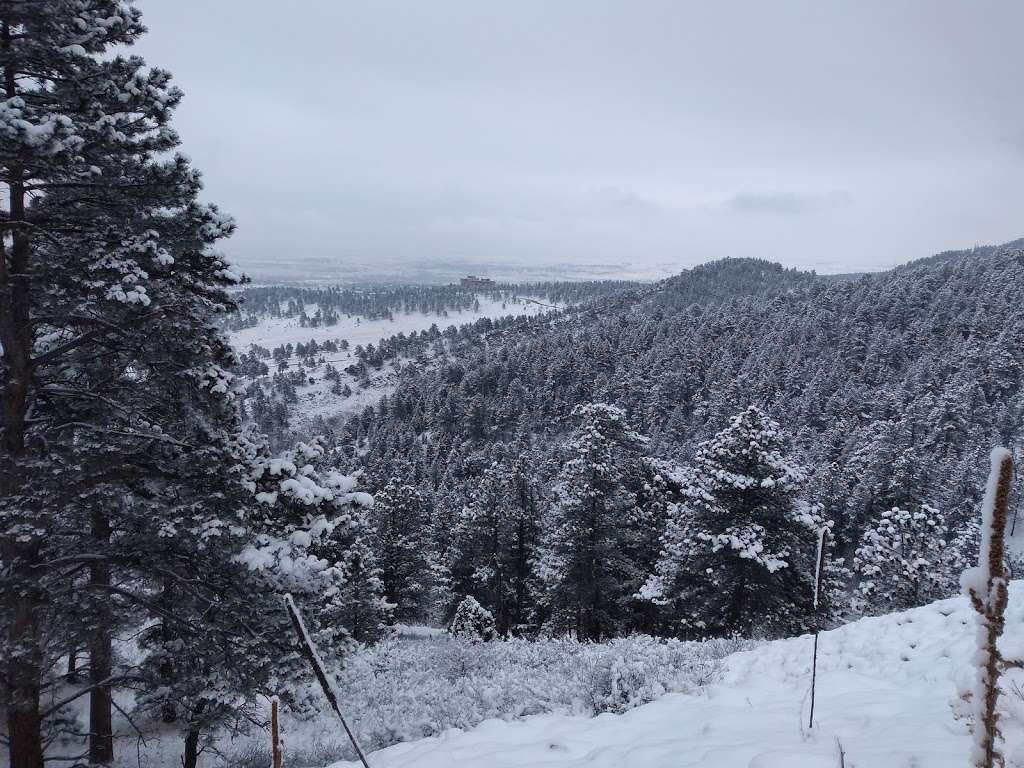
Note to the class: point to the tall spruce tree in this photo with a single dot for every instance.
(117, 410)
(496, 545)
(400, 519)
(593, 527)
(312, 540)
(737, 553)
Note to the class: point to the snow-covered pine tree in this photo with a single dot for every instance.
(472, 622)
(903, 561)
(361, 607)
(588, 561)
(737, 551)
(207, 661)
(477, 564)
(112, 375)
(495, 544)
(221, 638)
(523, 552)
(400, 519)
(312, 541)
(662, 486)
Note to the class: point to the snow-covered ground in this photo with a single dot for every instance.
(273, 332)
(316, 399)
(886, 696)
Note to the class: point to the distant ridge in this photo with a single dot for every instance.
(980, 251)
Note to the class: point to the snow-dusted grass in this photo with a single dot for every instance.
(411, 687)
(888, 693)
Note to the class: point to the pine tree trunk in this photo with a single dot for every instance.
(101, 657)
(168, 712)
(72, 673)
(191, 757)
(24, 665)
(591, 587)
(519, 609)
(24, 724)
(500, 607)
(25, 674)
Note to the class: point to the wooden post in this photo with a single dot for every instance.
(275, 734)
(309, 651)
(819, 574)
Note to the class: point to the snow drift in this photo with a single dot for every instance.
(888, 697)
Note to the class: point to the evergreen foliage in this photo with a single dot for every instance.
(904, 561)
(400, 522)
(889, 387)
(117, 401)
(495, 549)
(738, 553)
(472, 622)
(125, 488)
(594, 522)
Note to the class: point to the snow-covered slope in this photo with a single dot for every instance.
(316, 399)
(275, 331)
(887, 687)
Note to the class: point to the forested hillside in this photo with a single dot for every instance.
(888, 392)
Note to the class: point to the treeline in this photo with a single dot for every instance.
(592, 535)
(382, 302)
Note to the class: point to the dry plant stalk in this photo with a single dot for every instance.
(986, 588)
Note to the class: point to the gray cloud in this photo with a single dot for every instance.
(1016, 143)
(610, 132)
(787, 203)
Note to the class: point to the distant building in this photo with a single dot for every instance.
(476, 282)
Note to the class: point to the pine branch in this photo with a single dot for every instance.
(101, 684)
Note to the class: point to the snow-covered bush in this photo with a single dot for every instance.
(903, 562)
(402, 689)
(472, 622)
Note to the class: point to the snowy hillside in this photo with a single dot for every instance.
(315, 397)
(887, 687)
(272, 332)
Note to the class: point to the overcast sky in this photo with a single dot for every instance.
(648, 134)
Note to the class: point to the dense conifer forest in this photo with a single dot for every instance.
(884, 391)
